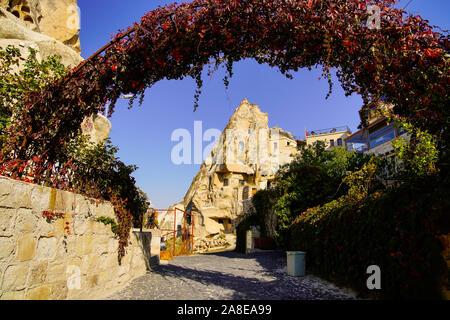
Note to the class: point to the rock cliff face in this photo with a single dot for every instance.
(244, 160)
(58, 19)
(97, 127)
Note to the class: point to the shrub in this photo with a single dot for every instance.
(397, 229)
(99, 172)
(312, 179)
(15, 85)
(418, 154)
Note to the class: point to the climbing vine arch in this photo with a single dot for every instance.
(404, 60)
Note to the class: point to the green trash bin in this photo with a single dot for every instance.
(296, 263)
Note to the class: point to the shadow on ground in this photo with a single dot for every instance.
(239, 275)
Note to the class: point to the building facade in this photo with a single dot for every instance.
(377, 137)
(333, 137)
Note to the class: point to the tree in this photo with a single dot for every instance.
(315, 177)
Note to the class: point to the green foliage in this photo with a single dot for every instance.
(314, 178)
(108, 221)
(418, 154)
(16, 83)
(397, 229)
(360, 182)
(99, 172)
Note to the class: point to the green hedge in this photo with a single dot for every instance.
(397, 229)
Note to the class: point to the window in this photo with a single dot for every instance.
(381, 135)
(339, 142)
(275, 146)
(241, 146)
(225, 182)
(331, 143)
(241, 182)
(288, 143)
(357, 142)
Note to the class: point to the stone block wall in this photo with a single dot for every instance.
(39, 259)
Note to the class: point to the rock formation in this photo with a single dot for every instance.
(97, 127)
(245, 159)
(50, 27)
(58, 19)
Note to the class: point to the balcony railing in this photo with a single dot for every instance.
(329, 130)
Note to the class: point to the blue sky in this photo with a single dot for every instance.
(143, 134)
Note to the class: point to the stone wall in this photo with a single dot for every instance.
(39, 259)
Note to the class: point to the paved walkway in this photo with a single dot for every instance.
(228, 276)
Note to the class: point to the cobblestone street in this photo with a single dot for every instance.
(229, 276)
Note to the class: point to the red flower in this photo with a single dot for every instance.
(114, 67)
(432, 53)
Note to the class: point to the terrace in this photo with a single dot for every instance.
(329, 130)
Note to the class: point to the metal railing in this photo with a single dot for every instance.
(181, 237)
(329, 130)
